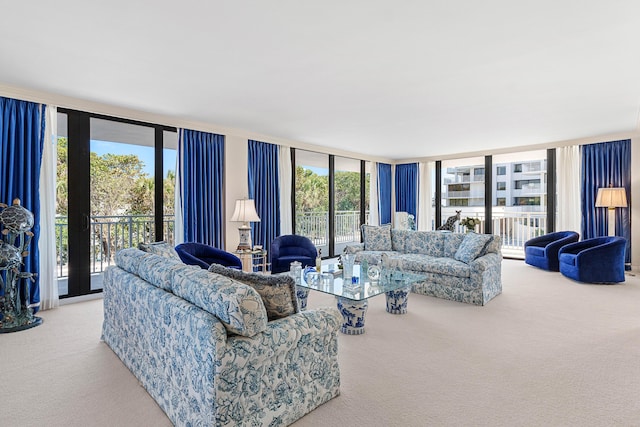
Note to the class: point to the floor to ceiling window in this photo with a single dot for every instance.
(312, 198)
(331, 199)
(347, 199)
(462, 187)
(113, 189)
(519, 199)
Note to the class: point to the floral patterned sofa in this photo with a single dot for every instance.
(212, 350)
(458, 267)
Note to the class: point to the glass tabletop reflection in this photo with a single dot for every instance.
(330, 281)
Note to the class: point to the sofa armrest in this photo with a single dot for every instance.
(486, 261)
(354, 248)
(293, 365)
(284, 334)
(554, 247)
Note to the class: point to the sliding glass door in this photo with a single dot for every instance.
(111, 193)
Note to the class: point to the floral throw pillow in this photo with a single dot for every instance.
(377, 238)
(471, 246)
(278, 293)
(162, 249)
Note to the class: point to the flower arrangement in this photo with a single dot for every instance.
(470, 223)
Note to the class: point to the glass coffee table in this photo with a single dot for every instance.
(352, 297)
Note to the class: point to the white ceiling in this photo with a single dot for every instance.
(396, 79)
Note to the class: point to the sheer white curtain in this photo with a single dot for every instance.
(568, 181)
(47, 242)
(178, 235)
(425, 176)
(284, 158)
(374, 218)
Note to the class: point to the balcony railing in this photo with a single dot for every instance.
(109, 234)
(515, 228)
(315, 226)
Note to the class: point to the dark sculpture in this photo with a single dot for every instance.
(450, 224)
(15, 313)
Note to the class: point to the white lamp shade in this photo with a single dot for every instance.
(245, 211)
(611, 198)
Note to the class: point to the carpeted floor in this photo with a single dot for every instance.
(547, 352)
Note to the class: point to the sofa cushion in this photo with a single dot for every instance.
(372, 257)
(535, 250)
(452, 242)
(398, 239)
(425, 242)
(129, 259)
(471, 246)
(429, 264)
(159, 270)
(377, 238)
(278, 293)
(163, 249)
(494, 245)
(238, 306)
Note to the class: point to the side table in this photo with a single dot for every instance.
(253, 261)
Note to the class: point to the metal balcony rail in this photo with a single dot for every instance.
(109, 234)
(315, 226)
(515, 228)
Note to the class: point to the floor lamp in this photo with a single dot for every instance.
(611, 198)
(245, 212)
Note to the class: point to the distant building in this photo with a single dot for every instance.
(517, 185)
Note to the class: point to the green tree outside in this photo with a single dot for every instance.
(119, 187)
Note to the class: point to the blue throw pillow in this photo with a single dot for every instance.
(471, 246)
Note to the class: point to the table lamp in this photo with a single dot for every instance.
(245, 212)
(611, 198)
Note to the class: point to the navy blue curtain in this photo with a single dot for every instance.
(265, 191)
(384, 193)
(605, 164)
(21, 143)
(407, 188)
(203, 187)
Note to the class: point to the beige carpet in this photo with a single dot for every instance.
(547, 352)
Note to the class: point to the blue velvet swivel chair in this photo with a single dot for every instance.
(597, 260)
(205, 255)
(542, 251)
(288, 248)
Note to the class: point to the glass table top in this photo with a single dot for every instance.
(331, 282)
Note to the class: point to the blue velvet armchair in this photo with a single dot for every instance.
(598, 260)
(542, 251)
(288, 248)
(205, 255)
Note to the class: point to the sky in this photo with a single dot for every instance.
(318, 171)
(144, 153)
